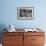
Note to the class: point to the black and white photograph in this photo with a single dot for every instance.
(25, 13)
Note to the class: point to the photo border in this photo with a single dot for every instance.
(21, 18)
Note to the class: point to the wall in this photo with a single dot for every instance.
(9, 13)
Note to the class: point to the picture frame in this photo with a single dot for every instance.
(25, 13)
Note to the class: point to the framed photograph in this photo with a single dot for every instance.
(25, 13)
